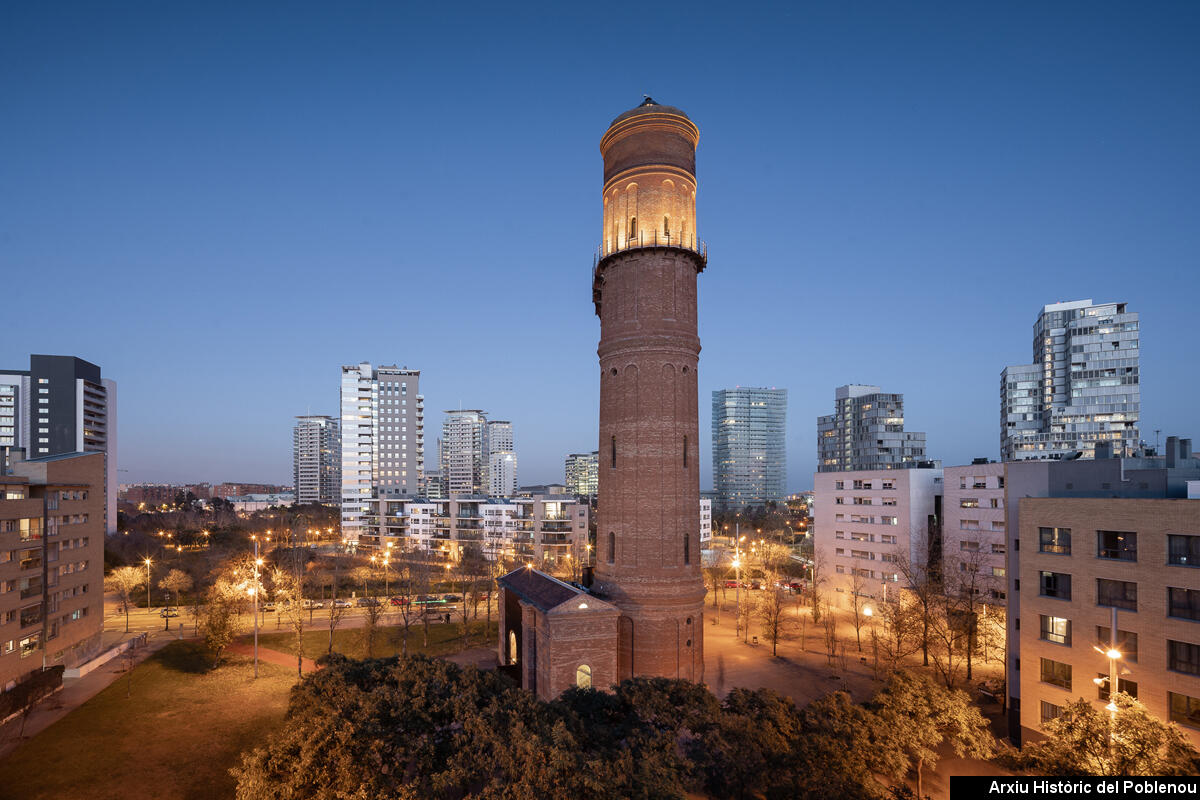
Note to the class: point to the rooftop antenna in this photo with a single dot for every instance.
(1157, 431)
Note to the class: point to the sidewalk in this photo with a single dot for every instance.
(77, 691)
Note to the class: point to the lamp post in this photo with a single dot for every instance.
(147, 584)
(254, 593)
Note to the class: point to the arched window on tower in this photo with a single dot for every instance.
(666, 225)
(633, 231)
(583, 676)
(612, 547)
(687, 548)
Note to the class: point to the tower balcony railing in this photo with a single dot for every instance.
(651, 239)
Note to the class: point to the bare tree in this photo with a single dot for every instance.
(123, 581)
(372, 614)
(337, 611)
(926, 592)
(772, 615)
(968, 581)
(899, 625)
(714, 577)
(818, 579)
(411, 573)
(176, 581)
(857, 590)
(829, 626)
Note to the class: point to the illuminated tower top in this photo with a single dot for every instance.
(650, 180)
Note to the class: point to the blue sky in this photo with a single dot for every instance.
(222, 203)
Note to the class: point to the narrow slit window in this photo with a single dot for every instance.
(612, 547)
(633, 227)
(667, 225)
(687, 548)
(685, 451)
(613, 444)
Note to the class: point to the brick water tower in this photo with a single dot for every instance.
(644, 288)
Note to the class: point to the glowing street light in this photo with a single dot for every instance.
(147, 584)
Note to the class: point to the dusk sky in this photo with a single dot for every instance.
(220, 204)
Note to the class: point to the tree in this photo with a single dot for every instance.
(968, 580)
(829, 629)
(336, 612)
(122, 582)
(926, 592)
(857, 602)
(818, 579)
(175, 582)
(220, 622)
(915, 717)
(714, 578)
(772, 616)
(1086, 740)
(899, 637)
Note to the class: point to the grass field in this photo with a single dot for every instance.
(443, 640)
(176, 736)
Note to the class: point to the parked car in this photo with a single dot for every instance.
(367, 601)
(269, 605)
(400, 601)
(731, 584)
(313, 604)
(342, 602)
(168, 612)
(452, 598)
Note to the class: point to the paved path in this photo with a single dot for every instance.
(269, 656)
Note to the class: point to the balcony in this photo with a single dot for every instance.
(556, 526)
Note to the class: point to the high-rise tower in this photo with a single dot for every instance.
(644, 289)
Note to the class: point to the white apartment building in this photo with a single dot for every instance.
(383, 439)
(974, 541)
(502, 459)
(316, 460)
(464, 452)
(865, 522)
(705, 521)
(550, 531)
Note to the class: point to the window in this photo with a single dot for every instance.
(614, 451)
(1184, 709)
(1055, 629)
(969, 502)
(666, 225)
(1184, 603)
(687, 548)
(685, 451)
(1054, 540)
(1128, 687)
(1116, 545)
(1120, 594)
(1127, 642)
(612, 547)
(1056, 584)
(583, 676)
(839, 484)
(1183, 551)
(1183, 657)
(1057, 673)
(1050, 711)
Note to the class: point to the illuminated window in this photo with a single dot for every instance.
(667, 225)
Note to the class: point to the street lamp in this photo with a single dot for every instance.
(147, 584)
(258, 562)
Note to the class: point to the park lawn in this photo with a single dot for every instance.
(351, 642)
(177, 736)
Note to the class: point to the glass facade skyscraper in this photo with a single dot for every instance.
(1083, 388)
(866, 432)
(749, 426)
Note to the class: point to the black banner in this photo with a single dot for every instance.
(970, 788)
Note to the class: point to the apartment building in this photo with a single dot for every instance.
(866, 522)
(705, 521)
(316, 460)
(1085, 537)
(1094, 565)
(550, 531)
(463, 451)
(582, 473)
(51, 562)
(60, 405)
(1082, 388)
(383, 439)
(866, 432)
(974, 541)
